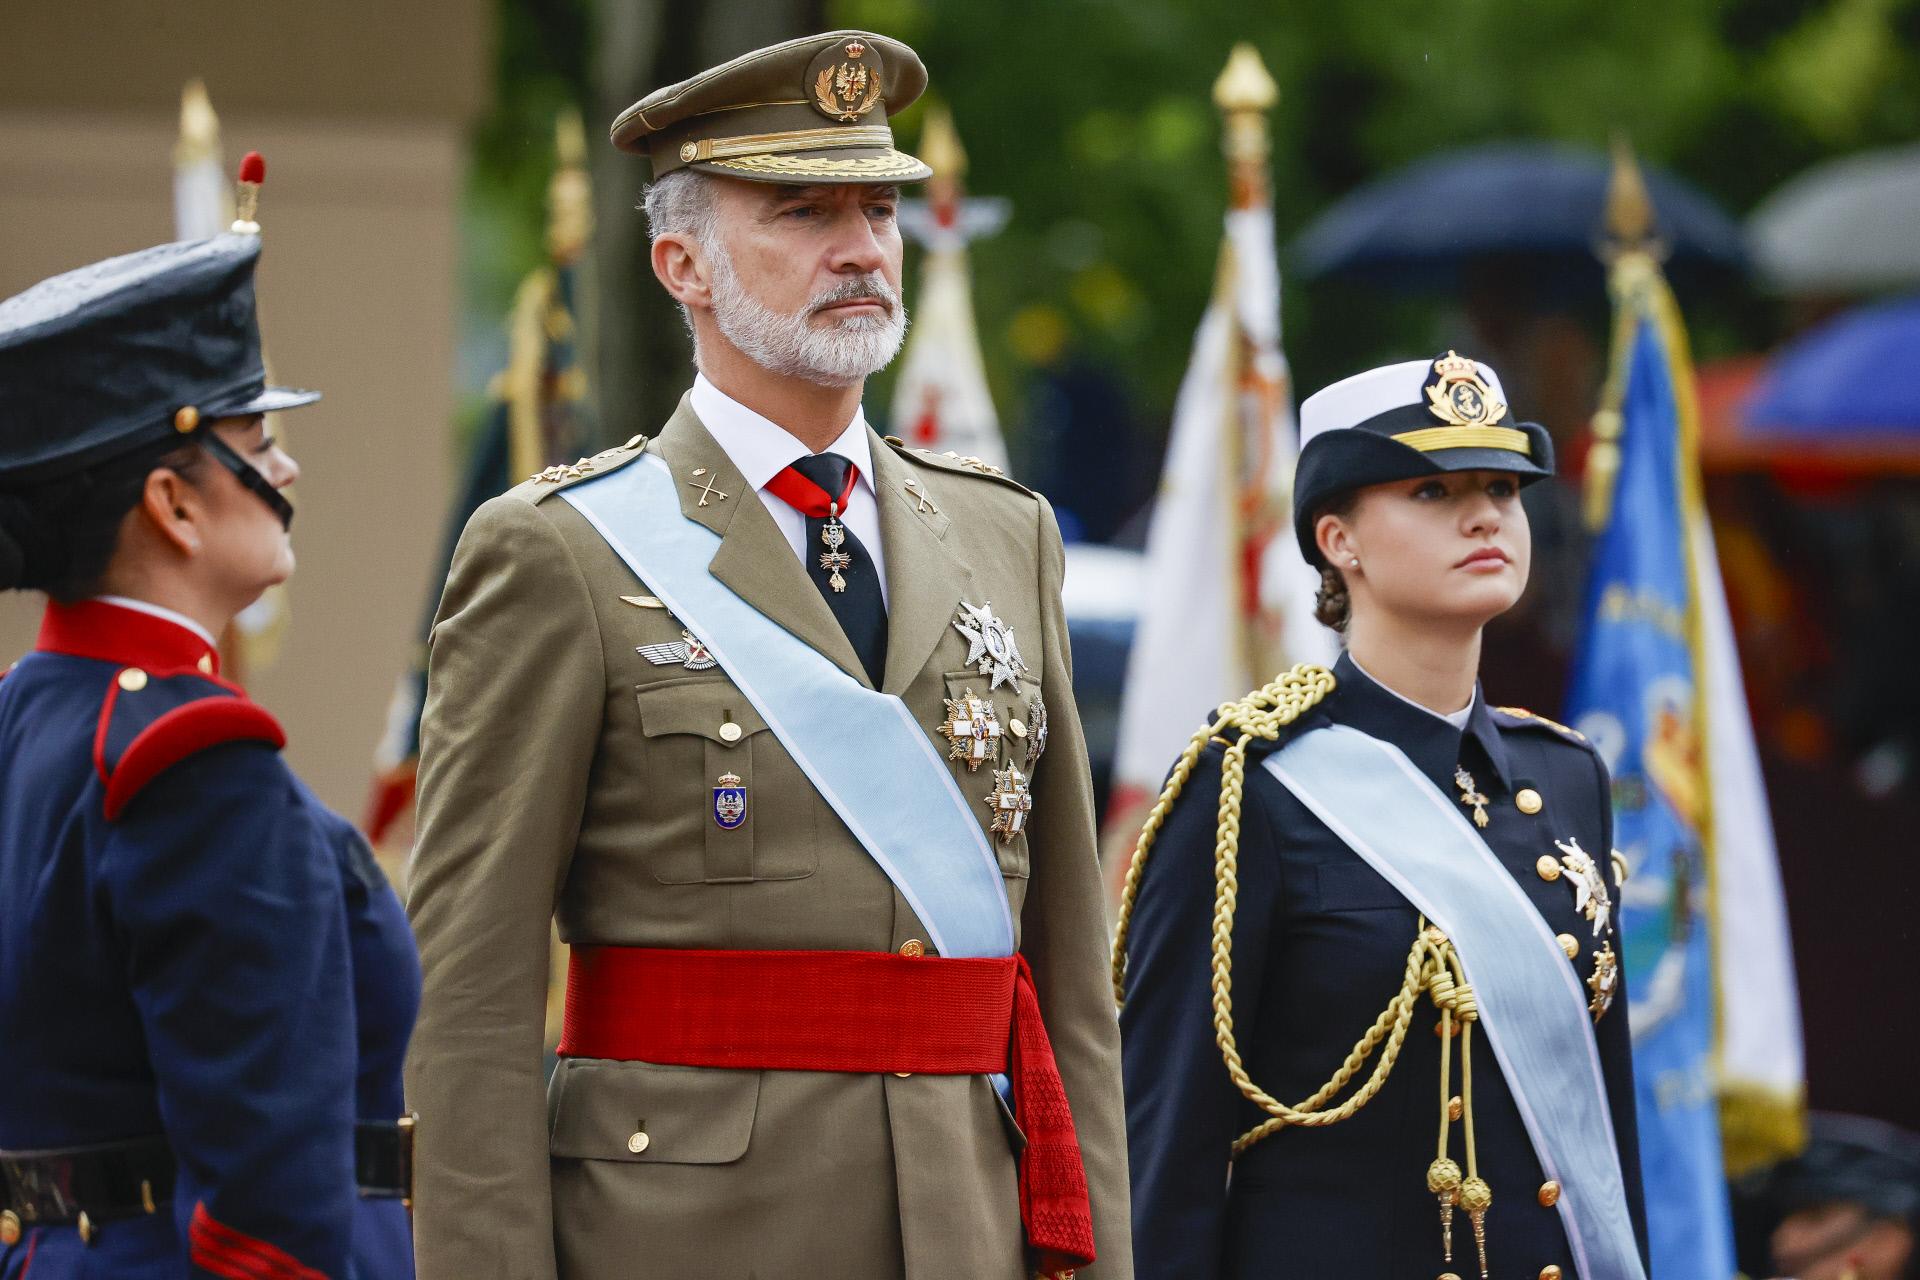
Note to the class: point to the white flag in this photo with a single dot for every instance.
(1762, 1055)
(1227, 598)
(941, 401)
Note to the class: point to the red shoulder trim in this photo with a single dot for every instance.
(216, 1247)
(182, 732)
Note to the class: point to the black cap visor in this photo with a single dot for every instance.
(1340, 461)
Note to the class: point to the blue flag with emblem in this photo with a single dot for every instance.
(1638, 692)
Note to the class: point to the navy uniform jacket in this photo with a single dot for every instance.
(191, 945)
(1319, 947)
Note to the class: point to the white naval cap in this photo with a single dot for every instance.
(1352, 401)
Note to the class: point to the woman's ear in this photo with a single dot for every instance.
(1335, 540)
(174, 508)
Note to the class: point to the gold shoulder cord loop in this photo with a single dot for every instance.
(1433, 966)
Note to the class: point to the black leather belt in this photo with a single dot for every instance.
(87, 1186)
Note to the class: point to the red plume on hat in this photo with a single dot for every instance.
(253, 172)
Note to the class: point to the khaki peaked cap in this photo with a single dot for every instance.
(812, 110)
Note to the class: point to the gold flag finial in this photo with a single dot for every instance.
(1629, 207)
(199, 126)
(1245, 92)
(1245, 84)
(569, 192)
(940, 144)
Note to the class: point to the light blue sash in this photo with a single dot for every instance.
(863, 750)
(1532, 1005)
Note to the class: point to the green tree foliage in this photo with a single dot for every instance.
(1094, 118)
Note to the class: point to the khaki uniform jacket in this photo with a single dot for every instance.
(564, 775)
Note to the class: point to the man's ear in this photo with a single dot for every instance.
(174, 508)
(682, 270)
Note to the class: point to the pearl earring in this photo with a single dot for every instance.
(1355, 562)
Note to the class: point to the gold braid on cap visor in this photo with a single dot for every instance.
(1429, 439)
(767, 144)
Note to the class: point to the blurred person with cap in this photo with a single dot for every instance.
(206, 984)
(1373, 908)
(775, 717)
(1847, 1207)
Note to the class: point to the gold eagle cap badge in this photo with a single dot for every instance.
(845, 81)
(1459, 396)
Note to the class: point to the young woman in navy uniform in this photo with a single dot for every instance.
(1285, 1006)
(206, 984)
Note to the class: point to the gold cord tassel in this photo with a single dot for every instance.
(1476, 1197)
(1443, 1175)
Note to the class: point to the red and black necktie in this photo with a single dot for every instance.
(818, 486)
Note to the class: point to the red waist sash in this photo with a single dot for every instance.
(860, 1011)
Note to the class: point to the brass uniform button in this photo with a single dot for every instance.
(9, 1228)
(1549, 1273)
(1455, 1107)
(133, 680)
(639, 1142)
(1569, 944)
(730, 732)
(1549, 1195)
(1548, 867)
(1449, 1275)
(913, 948)
(1527, 801)
(1018, 728)
(186, 420)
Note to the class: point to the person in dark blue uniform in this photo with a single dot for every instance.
(206, 983)
(1328, 1071)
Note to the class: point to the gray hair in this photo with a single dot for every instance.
(682, 203)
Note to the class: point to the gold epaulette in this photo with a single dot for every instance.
(1521, 713)
(950, 461)
(560, 475)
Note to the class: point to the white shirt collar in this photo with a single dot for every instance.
(761, 447)
(1458, 719)
(160, 611)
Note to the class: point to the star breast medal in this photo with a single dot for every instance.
(729, 802)
(990, 646)
(1011, 801)
(973, 729)
(687, 651)
(1589, 885)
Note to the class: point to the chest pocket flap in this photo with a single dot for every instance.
(702, 706)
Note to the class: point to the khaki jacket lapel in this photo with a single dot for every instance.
(754, 557)
(925, 581)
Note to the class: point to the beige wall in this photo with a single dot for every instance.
(357, 285)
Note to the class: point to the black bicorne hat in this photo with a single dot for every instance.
(1403, 421)
(130, 352)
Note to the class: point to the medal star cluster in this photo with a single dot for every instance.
(973, 728)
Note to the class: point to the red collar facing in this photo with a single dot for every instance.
(111, 633)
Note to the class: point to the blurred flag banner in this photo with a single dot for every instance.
(941, 401)
(1227, 599)
(536, 418)
(203, 207)
(1657, 687)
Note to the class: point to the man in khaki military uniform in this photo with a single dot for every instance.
(772, 1066)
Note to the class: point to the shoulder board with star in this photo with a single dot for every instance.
(557, 477)
(1521, 718)
(953, 462)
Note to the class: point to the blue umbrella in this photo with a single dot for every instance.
(1532, 211)
(1856, 377)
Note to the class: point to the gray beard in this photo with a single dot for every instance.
(854, 348)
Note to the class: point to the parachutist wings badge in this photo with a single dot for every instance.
(687, 651)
